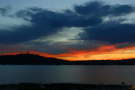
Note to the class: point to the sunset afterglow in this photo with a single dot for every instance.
(102, 53)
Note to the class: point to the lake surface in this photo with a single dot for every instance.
(10, 74)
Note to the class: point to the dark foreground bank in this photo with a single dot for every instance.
(64, 86)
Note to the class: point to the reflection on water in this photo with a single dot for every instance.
(67, 74)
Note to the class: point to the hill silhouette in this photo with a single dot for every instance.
(31, 59)
(28, 59)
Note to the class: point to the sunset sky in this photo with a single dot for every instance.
(69, 29)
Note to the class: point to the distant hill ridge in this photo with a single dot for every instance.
(31, 59)
(28, 59)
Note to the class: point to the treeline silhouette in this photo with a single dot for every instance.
(31, 59)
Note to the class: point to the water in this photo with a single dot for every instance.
(12, 74)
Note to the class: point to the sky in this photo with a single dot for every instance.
(69, 29)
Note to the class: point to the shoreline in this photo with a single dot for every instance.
(64, 86)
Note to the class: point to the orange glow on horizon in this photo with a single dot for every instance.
(110, 52)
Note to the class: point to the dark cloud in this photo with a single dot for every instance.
(56, 19)
(4, 11)
(122, 9)
(26, 13)
(46, 22)
(111, 33)
(100, 9)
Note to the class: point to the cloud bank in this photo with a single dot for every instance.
(89, 16)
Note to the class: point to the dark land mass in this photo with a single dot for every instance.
(64, 86)
(30, 59)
